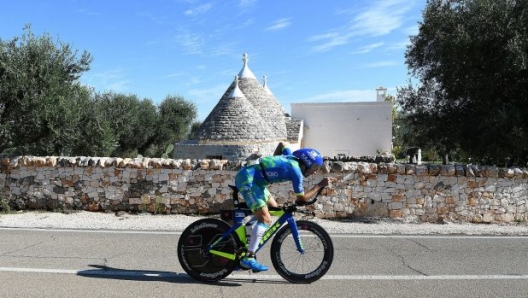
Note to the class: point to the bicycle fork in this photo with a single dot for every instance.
(295, 233)
(276, 225)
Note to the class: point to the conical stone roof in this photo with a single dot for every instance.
(268, 91)
(234, 119)
(264, 101)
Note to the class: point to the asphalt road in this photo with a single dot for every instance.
(81, 263)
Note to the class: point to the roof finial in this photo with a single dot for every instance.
(245, 58)
(246, 72)
(236, 92)
(265, 85)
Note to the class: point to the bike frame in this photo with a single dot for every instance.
(285, 216)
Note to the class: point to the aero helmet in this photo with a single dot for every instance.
(309, 157)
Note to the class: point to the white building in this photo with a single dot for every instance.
(249, 119)
(347, 128)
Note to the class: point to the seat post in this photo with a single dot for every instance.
(234, 195)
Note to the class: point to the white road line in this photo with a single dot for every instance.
(94, 231)
(428, 236)
(96, 272)
(333, 235)
(423, 277)
(149, 274)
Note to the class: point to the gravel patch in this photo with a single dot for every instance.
(146, 222)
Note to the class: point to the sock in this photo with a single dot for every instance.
(256, 235)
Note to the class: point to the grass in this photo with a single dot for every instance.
(521, 220)
(4, 206)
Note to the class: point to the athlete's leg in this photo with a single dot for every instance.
(256, 198)
(272, 202)
(260, 210)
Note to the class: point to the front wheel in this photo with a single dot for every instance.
(193, 255)
(304, 267)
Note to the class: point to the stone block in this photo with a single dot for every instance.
(396, 214)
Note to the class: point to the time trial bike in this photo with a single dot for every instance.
(301, 251)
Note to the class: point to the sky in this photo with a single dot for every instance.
(310, 51)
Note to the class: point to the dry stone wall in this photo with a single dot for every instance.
(421, 193)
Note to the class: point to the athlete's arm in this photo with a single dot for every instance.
(282, 149)
(310, 194)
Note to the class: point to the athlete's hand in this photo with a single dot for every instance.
(327, 181)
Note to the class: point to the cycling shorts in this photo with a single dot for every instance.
(256, 195)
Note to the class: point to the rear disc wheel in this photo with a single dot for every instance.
(193, 244)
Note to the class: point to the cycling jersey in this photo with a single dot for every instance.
(282, 168)
(252, 180)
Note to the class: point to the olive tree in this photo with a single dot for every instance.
(471, 59)
(40, 94)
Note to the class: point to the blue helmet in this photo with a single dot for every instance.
(309, 157)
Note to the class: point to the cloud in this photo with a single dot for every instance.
(383, 64)
(192, 43)
(398, 46)
(414, 30)
(118, 86)
(110, 80)
(208, 95)
(247, 23)
(206, 98)
(152, 17)
(173, 75)
(368, 48)
(330, 40)
(247, 3)
(88, 12)
(344, 96)
(381, 18)
(198, 9)
(279, 24)
(223, 49)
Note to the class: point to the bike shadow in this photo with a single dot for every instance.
(102, 271)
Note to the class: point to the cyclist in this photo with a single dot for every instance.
(252, 180)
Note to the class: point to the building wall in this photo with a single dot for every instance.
(231, 152)
(350, 129)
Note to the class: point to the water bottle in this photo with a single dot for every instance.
(239, 216)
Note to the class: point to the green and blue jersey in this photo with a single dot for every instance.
(252, 180)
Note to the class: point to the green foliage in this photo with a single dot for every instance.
(4, 206)
(44, 110)
(471, 57)
(195, 127)
(142, 128)
(392, 99)
(168, 151)
(132, 121)
(176, 116)
(40, 96)
(397, 151)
